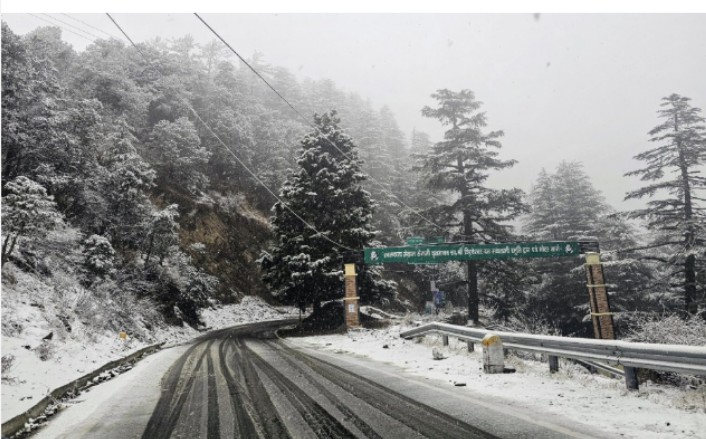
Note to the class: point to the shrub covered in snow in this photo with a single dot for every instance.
(8, 362)
(670, 329)
(99, 256)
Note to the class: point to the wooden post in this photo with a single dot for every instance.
(471, 346)
(350, 301)
(445, 340)
(601, 315)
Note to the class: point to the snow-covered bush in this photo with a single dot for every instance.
(45, 351)
(198, 247)
(8, 362)
(99, 256)
(27, 212)
(178, 285)
(670, 329)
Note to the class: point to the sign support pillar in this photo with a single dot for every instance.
(601, 315)
(350, 301)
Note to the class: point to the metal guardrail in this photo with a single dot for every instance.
(15, 425)
(689, 360)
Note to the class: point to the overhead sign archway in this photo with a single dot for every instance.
(437, 253)
(443, 252)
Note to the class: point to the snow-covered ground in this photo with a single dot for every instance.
(654, 412)
(30, 378)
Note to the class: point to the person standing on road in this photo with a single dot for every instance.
(438, 301)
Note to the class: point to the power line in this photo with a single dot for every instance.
(196, 114)
(306, 121)
(89, 25)
(62, 27)
(129, 39)
(265, 186)
(72, 26)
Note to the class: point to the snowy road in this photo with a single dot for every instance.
(243, 382)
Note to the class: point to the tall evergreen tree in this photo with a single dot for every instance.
(461, 164)
(564, 206)
(674, 168)
(178, 154)
(304, 266)
(420, 195)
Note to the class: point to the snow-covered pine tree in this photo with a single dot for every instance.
(673, 168)
(304, 266)
(420, 196)
(164, 235)
(178, 155)
(461, 164)
(391, 189)
(564, 206)
(27, 212)
(128, 208)
(99, 258)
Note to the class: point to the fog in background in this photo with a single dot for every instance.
(580, 87)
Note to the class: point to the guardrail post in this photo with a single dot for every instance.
(493, 356)
(631, 378)
(553, 363)
(445, 340)
(471, 346)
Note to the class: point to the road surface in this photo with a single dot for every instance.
(243, 382)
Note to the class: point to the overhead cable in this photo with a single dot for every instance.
(196, 114)
(89, 25)
(72, 26)
(62, 27)
(306, 121)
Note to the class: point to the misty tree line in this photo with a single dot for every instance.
(105, 142)
(654, 256)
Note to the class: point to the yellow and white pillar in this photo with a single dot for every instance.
(350, 301)
(601, 315)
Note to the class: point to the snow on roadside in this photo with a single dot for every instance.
(655, 412)
(30, 379)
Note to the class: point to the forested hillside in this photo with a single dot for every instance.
(141, 177)
(107, 146)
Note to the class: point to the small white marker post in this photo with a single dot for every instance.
(493, 355)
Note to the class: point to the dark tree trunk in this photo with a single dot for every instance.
(5, 254)
(690, 263)
(690, 285)
(471, 266)
(149, 249)
(473, 301)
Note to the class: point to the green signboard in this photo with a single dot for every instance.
(433, 254)
(414, 240)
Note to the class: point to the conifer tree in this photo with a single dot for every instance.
(461, 164)
(27, 212)
(304, 266)
(674, 170)
(564, 206)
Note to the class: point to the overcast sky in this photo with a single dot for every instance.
(580, 87)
